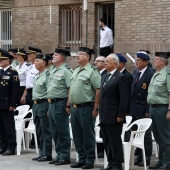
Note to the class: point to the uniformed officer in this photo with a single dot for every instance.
(159, 100)
(9, 82)
(13, 52)
(139, 107)
(22, 72)
(84, 97)
(57, 96)
(40, 109)
(50, 65)
(31, 72)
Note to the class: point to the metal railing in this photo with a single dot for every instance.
(71, 35)
(5, 29)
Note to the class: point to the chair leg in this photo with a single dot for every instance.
(105, 160)
(23, 141)
(19, 138)
(127, 152)
(144, 158)
(35, 139)
(97, 162)
(132, 157)
(27, 140)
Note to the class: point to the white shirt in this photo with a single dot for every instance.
(22, 72)
(112, 72)
(6, 67)
(142, 71)
(101, 71)
(106, 37)
(30, 78)
(122, 70)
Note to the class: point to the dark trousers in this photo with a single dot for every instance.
(7, 130)
(112, 142)
(161, 132)
(28, 97)
(147, 142)
(105, 51)
(83, 124)
(21, 91)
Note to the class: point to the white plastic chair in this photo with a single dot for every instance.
(19, 126)
(155, 145)
(136, 140)
(22, 109)
(30, 130)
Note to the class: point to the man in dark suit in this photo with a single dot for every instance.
(139, 107)
(112, 111)
(9, 82)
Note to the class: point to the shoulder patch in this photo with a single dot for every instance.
(69, 68)
(13, 69)
(47, 73)
(168, 70)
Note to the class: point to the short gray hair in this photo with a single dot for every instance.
(165, 60)
(115, 58)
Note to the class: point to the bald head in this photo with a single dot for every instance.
(100, 62)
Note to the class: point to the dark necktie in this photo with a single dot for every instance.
(102, 29)
(106, 79)
(137, 77)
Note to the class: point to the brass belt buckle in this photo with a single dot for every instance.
(49, 100)
(35, 102)
(75, 106)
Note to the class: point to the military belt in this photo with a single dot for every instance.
(83, 104)
(158, 105)
(29, 90)
(40, 101)
(56, 100)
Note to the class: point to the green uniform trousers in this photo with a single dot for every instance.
(83, 124)
(42, 125)
(161, 132)
(59, 123)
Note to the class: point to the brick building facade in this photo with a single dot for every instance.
(136, 24)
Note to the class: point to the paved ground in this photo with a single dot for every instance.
(24, 162)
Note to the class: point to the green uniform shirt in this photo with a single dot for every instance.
(40, 85)
(50, 69)
(84, 83)
(14, 63)
(59, 82)
(159, 88)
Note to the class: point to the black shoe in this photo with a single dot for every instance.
(45, 158)
(158, 165)
(54, 161)
(8, 152)
(100, 155)
(88, 166)
(2, 150)
(32, 146)
(77, 165)
(62, 162)
(36, 158)
(164, 167)
(141, 164)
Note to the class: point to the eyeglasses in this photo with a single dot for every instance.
(97, 61)
(81, 53)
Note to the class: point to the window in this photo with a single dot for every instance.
(71, 16)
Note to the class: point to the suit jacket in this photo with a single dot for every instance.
(129, 79)
(113, 98)
(104, 72)
(9, 88)
(139, 106)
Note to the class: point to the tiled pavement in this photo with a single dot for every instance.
(24, 162)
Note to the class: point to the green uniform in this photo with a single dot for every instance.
(158, 97)
(40, 109)
(84, 83)
(50, 69)
(59, 84)
(14, 63)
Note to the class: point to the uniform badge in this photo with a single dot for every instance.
(6, 77)
(8, 73)
(144, 85)
(168, 71)
(16, 78)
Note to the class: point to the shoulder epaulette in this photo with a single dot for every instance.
(47, 73)
(94, 68)
(168, 70)
(13, 69)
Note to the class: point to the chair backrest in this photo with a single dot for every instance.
(22, 109)
(142, 126)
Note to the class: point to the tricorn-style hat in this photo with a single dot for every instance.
(121, 58)
(62, 51)
(162, 54)
(5, 55)
(87, 50)
(42, 56)
(13, 50)
(21, 51)
(33, 50)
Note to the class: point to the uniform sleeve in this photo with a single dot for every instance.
(110, 34)
(47, 79)
(14, 89)
(95, 79)
(68, 75)
(168, 82)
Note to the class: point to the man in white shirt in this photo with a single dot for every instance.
(106, 38)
